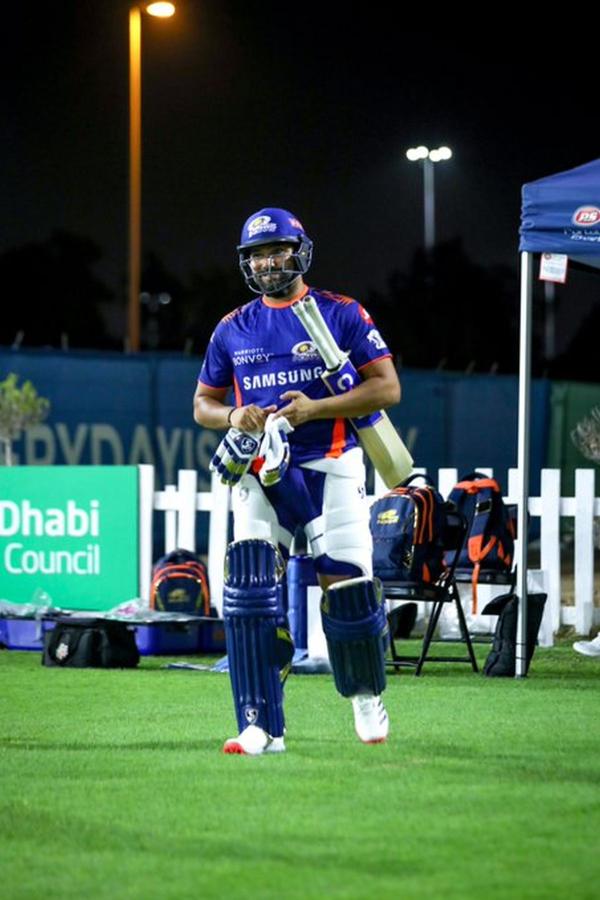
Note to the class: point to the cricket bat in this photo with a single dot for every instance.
(378, 437)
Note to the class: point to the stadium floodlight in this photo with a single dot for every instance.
(416, 153)
(428, 158)
(441, 154)
(162, 10)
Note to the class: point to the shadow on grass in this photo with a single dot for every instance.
(78, 747)
(549, 668)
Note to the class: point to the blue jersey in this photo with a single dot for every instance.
(262, 350)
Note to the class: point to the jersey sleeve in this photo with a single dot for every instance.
(361, 337)
(217, 368)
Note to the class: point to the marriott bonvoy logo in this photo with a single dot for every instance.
(24, 520)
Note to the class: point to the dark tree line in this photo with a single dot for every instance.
(50, 291)
(448, 312)
(444, 312)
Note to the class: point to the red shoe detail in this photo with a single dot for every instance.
(233, 747)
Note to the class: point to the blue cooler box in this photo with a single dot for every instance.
(166, 638)
(180, 638)
(156, 639)
(24, 634)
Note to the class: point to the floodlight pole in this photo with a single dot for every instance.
(161, 10)
(429, 204)
(135, 177)
(428, 158)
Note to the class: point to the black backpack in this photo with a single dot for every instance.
(88, 642)
(501, 661)
(407, 526)
(491, 528)
(180, 584)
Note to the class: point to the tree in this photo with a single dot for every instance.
(20, 407)
(586, 435)
(213, 293)
(579, 362)
(448, 311)
(51, 290)
(160, 311)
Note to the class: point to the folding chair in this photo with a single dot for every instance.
(443, 591)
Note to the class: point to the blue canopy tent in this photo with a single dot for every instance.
(559, 214)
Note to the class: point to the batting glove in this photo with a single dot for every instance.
(275, 449)
(234, 455)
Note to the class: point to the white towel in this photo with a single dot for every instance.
(275, 449)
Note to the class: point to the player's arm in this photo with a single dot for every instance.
(211, 411)
(379, 390)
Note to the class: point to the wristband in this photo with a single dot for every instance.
(231, 411)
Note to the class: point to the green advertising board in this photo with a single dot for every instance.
(71, 533)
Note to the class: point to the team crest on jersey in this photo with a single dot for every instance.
(305, 350)
(261, 224)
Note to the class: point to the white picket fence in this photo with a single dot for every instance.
(182, 503)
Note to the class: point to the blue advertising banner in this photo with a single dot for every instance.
(459, 421)
(119, 410)
(114, 410)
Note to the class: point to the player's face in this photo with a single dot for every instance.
(268, 263)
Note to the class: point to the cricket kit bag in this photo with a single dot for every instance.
(501, 661)
(83, 643)
(180, 584)
(491, 529)
(407, 526)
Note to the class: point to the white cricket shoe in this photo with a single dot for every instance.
(588, 648)
(370, 719)
(253, 741)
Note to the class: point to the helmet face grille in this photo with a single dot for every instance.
(278, 279)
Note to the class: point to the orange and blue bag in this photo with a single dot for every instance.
(407, 526)
(180, 584)
(491, 529)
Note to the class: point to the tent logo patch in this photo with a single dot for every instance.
(586, 216)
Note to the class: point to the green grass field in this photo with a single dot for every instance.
(114, 786)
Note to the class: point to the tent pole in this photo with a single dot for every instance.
(523, 458)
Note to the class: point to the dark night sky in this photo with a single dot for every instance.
(310, 107)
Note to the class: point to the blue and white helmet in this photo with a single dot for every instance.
(275, 226)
